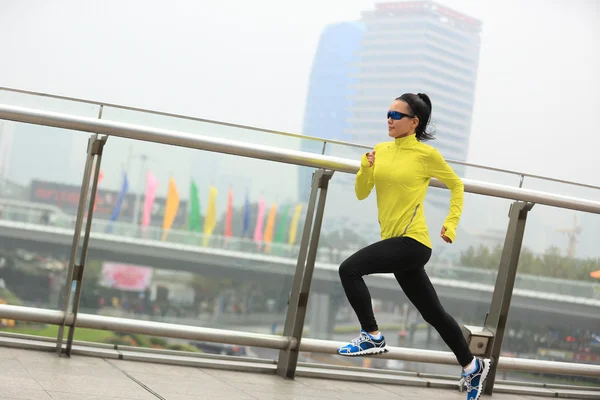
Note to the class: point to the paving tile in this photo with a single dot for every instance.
(288, 390)
(248, 377)
(342, 386)
(23, 394)
(12, 368)
(78, 396)
(123, 387)
(159, 369)
(229, 396)
(173, 385)
(6, 352)
(290, 396)
(8, 382)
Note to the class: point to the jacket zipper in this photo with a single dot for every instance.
(411, 220)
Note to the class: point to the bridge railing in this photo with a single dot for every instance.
(290, 342)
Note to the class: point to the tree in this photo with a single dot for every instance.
(550, 264)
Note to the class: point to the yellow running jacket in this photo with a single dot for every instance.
(401, 175)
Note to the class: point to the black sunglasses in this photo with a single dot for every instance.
(397, 115)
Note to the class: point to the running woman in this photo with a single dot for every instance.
(400, 171)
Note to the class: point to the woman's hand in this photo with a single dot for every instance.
(443, 235)
(371, 158)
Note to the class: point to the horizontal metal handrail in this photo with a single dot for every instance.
(127, 325)
(181, 116)
(295, 135)
(143, 327)
(193, 141)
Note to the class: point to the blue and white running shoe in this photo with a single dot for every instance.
(474, 382)
(364, 345)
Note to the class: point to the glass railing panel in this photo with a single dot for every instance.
(39, 197)
(554, 313)
(187, 264)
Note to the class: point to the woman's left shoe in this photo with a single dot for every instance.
(364, 345)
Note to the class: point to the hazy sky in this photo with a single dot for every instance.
(249, 62)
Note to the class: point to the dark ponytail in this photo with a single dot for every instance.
(420, 105)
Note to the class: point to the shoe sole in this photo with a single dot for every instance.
(370, 352)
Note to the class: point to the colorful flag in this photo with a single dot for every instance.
(170, 208)
(229, 214)
(268, 238)
(260, 220)
(294, 224)
(122, 194)
(195, 217)
(283, 220)
(210, 221)
(246, 222)
(151, 188)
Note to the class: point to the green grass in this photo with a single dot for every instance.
(99, 336)
(86, 335)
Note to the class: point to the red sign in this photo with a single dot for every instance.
(66, 197)
(126, 276)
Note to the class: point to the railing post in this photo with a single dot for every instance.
(496, 319)
(76, 269)
(298, 301)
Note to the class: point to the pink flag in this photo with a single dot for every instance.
(229, 214)
(151, 187)
(260, 219)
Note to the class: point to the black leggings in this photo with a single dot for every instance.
(406, 259)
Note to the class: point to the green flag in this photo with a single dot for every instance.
(195, 217)
(281, 229)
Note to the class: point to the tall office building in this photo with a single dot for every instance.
(330, 91)
(418, 46)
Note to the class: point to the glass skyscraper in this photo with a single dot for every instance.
(330, 90)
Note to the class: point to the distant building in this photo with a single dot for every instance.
(330, 91)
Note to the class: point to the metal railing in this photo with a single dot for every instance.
(162, 329)
(323, 142)
(291, 343)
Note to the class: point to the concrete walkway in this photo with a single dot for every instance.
(37, 375)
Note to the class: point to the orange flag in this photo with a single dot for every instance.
(100, 177)
(268, 237)
(229, 214)
(171, 208)
(595, 274)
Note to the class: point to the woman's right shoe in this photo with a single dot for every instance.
(475, 381)
(364, 345)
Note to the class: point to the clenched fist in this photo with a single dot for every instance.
(371, 158)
